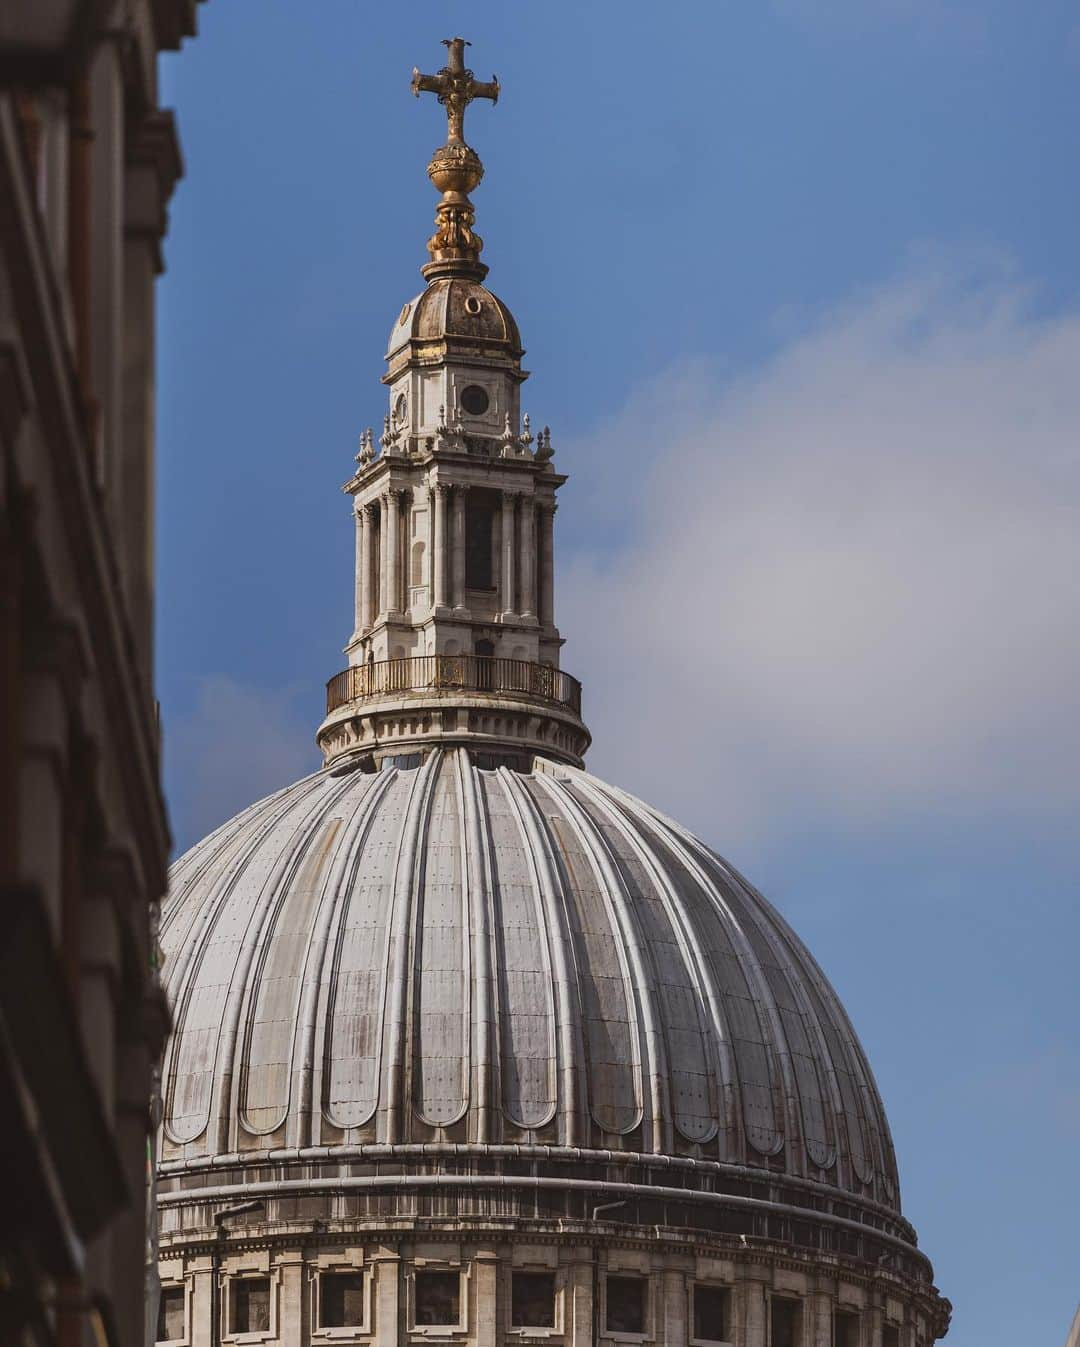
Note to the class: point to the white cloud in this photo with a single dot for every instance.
(852, 594)
(237, 745)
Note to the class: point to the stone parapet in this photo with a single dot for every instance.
(414, 720)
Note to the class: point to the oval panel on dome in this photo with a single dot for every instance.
(357, 972)
(526, 1003)
(441, 987)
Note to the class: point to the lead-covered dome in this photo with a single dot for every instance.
(460, 311)
(500, 959)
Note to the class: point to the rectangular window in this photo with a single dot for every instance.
(341, 1300)
(890, 1336)
(250, 1305)
(625, 1305)
(785, 1321)
(170, 1319)
(438, 1298)
(479, 517)
(712, 1308)
(846, 1332)
(532, 1300)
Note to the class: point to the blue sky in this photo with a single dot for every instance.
(801, 295)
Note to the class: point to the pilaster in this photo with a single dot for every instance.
(672, 1328)
(580, 1299)
(367, 584)
(459, 549)
(753, 1313)
(484, 1286)
(392, 510)
(362, 579)
(509, 499)
(439, 547)
(547, 564)
(528, 558)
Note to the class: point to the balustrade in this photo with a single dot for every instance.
(476, 673)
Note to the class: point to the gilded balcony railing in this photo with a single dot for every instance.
(471, 673)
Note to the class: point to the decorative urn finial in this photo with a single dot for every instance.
(455, 169)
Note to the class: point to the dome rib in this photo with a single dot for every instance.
(440, 1004)
(611, 1066)
(725, 1071)
(836, 1038)
(750, 974)
(553, 895)
(263, 1083)
(198, 1045)
(319, 982)
(396, 1014)
(650, 1055)
(484, 1055)
(351, 1005)
(527, 1056)
(817, 1124)
(730, 902)
(255, 925)
(848, 1120)
(697, 1033)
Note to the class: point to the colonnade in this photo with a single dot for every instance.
(525, 568)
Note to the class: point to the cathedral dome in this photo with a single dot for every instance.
(505, 962)
(445, 1007)
(457, 310)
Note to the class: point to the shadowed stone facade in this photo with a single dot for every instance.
(88, 162)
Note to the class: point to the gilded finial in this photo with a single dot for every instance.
(455, 169)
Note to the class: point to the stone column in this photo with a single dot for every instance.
(380, 594)
(367, 577)
(528, 557)
(547, 565)
(508, 553)
(393, 551)
(439, 545)
(361, 566)
(459, 546)
(429, 549)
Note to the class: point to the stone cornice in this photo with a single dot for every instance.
(154, 166)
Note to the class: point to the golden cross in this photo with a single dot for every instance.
(456, 88)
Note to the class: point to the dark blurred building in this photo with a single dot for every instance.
(88, 161)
